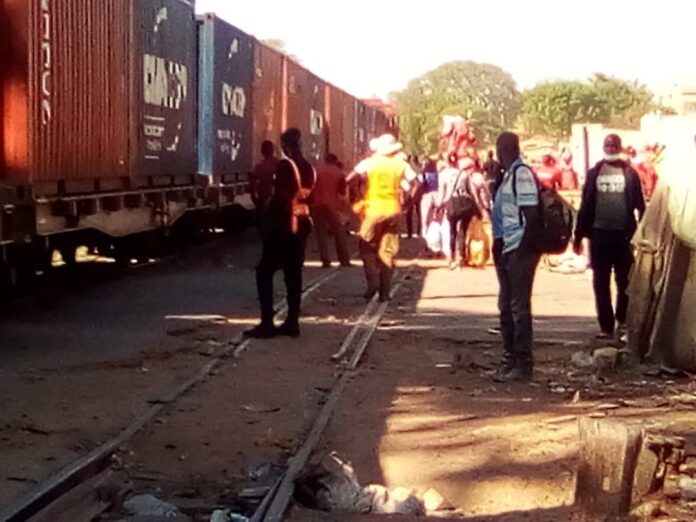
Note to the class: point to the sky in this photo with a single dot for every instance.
(373, 47)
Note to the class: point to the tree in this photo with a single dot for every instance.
(484, 93)
(627, 102)
(550, 109)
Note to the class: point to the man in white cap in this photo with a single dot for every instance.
(388, 174)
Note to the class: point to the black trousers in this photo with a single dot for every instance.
(610, 251)
(281, 251)
(463, 221)
(413, 216)
(516, 271)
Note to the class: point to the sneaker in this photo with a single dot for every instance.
(604, 336)
(261, 331)
(515, 374)
(453, 265)
(326, 264)
(288, 329)
(347, 265)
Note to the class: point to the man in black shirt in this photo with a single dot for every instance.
(285, 237)
(612, 204)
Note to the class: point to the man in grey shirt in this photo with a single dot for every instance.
(612, 204)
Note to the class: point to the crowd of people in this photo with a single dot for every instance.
(445, 195)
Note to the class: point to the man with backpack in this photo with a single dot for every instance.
(459, 200)
(516, 254)
(612, 204)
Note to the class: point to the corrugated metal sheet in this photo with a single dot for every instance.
(226, 76)
(267, 106)
(86, 103)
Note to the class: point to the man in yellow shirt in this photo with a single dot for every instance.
(388, 174)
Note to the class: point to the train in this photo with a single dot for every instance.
(126, 123)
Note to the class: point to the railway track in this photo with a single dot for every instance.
(98, 459)
(59, 486)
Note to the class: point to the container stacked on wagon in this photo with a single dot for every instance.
(126, 120)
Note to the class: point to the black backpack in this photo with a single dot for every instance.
(461, 202)
(555, 218)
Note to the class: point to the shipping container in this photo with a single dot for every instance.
(348, 133)
(267, 103)
(315, 139)
(362, 140)
(340, 125)
(298, 101)
(335, 102)
(225, 86)
(98, 90)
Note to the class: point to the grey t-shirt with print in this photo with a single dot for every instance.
(611, 211)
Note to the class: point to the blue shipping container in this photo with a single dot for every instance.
(225, 79)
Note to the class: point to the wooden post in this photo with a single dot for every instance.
(608, 456)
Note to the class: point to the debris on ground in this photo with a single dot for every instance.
(150, 506)
(332, 485)
(225, 515)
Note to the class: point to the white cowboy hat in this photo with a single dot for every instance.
(386, 145)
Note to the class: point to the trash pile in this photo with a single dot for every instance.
(332, 485)
(665, 478)
(567, 263)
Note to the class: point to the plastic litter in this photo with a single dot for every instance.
(150, 506)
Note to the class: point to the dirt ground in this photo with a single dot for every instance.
(421, 412)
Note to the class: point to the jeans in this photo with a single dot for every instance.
(327, 220)
(610, 251)
(516, 271)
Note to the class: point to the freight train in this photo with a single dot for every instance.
(127, 122)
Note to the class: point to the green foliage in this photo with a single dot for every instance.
(483, 93)
(550, 109)
(627, 102)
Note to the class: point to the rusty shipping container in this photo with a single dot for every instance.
(98, 89)
(315, 138)
(267, 103)
(298, 100)
(225, 85)
(335, 101)
(348, 134)
(340, 125)
(362, 140)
